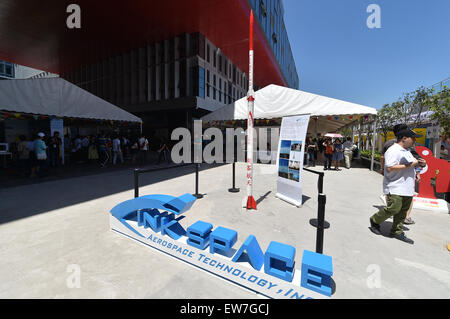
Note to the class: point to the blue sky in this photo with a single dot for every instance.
(337, 55)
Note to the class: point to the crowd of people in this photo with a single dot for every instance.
(37, 156)
(331, 152)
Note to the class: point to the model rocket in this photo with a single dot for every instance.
(251, 203)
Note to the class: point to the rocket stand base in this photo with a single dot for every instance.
(233, 190)
(251, 203)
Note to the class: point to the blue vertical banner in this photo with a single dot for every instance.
(291, 150)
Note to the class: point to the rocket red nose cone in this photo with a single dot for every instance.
(251, 30)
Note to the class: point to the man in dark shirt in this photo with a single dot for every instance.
(54, 149)
(103, 156)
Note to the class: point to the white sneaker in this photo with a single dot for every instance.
(383, 199)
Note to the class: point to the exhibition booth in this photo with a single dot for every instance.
(53, 104)
(274, 102)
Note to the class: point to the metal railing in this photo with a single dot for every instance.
(440, 85)
(318, 222)
(138, 171)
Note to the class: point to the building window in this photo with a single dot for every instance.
(214, 86)
(208, 54)
(172, 80)
(274, 37)
(263, 8)
(214, 58)
(201, 82)
(6, 69)
(220, 90)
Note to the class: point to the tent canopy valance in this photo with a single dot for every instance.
(275, 101)
(58, 97)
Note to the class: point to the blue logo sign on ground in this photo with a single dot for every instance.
(152, 220)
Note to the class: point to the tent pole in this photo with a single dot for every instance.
(316, 120)
(373, 143)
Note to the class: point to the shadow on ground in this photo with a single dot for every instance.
(20, 201)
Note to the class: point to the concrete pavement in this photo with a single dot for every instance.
(48, 227)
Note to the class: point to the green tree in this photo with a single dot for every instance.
(411, 107)
(386, 119)
(420, 103)
(346, 132)
(439, 103)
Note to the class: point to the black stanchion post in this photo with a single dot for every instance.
(320, 183)
(136, 182)
(196, 182)
(314, 222)
(320, 223)
(234, 189)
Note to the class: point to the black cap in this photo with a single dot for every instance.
(407, 133)
(399, 127)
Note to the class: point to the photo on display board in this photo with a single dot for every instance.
(283, 168)
(296, 151)
(294, 165)
(285, 149)
(294, 174)
(296, 146)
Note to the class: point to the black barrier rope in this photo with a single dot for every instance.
(138, 171)
(319, 223)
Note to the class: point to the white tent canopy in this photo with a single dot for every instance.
(275, 101)
(57, 97)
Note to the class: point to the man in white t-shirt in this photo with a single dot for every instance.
(349, 147)
(117, 150)
(398, 184)
(143, 149)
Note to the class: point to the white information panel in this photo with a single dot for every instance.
(291, 150)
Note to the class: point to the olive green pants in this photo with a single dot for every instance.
(397, 206)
